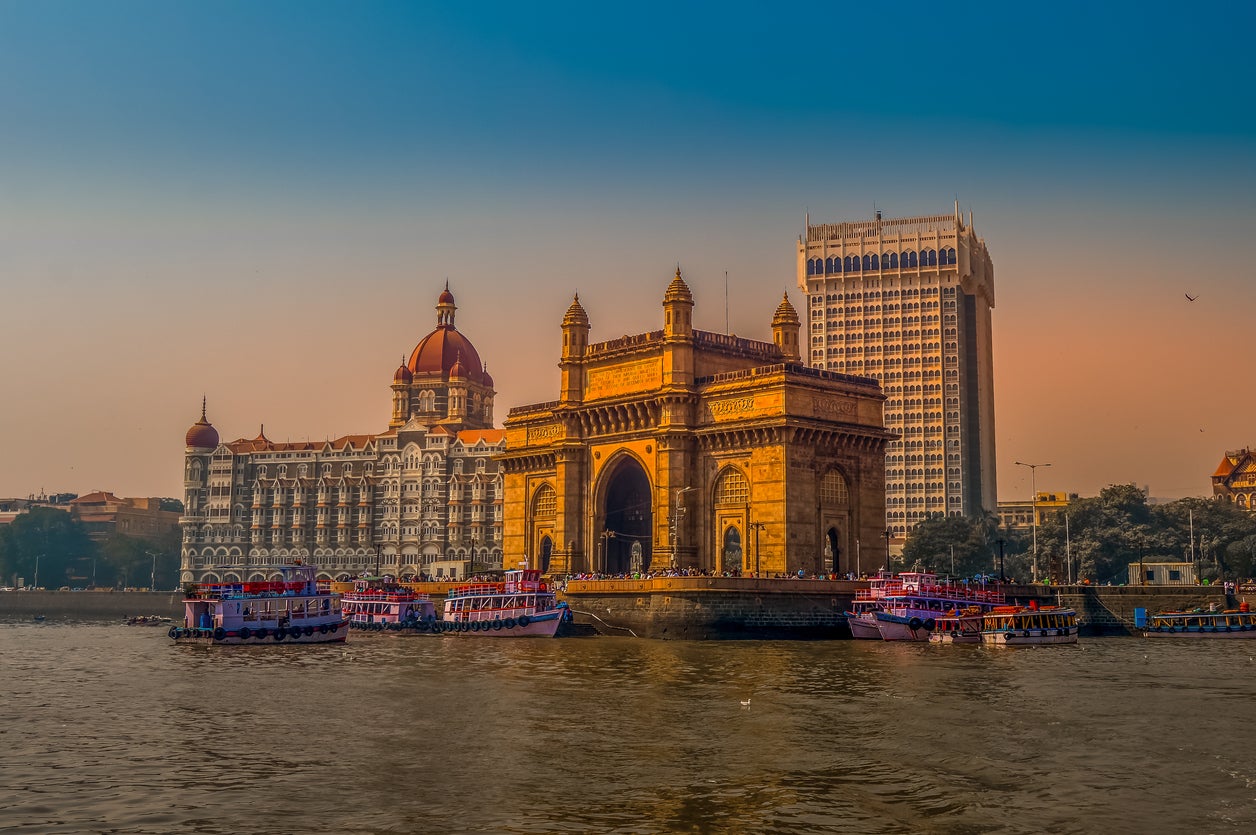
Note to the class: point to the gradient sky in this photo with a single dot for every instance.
(260, 202)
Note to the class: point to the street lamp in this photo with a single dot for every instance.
(152, 577)
(888, 533)
(1033, 500)
(1002, 576)
(677, 513)
(756, 527)
(37, 556)
(603, 547)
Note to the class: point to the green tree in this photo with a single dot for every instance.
(973, 542)
(46, 542)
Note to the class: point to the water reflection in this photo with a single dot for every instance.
(115, 728)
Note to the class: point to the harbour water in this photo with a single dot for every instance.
(113, 729)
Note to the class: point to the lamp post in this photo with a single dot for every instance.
(37, 556)
(1033, 500)
(756, 527)
(604, 547)
(888, 533)
(1002, 576)
(152, 576)
(678, 513)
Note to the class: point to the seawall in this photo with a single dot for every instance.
(89, 605)
(698, 608)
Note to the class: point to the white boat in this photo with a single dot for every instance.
(381, 604)
(522, 606)
(861, 616)
(1031, 625)
(910, 611)
(291, 610)
(1227, 623)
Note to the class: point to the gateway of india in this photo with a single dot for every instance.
(687, 449)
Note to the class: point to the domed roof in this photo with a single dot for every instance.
(440, 350)
(446, 297)
(202, 435)
(403, 374)
(575, 314)
(678, 290)
(488, 380)
(785, 313)
(459, 370)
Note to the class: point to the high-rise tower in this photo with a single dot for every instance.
(907, 301)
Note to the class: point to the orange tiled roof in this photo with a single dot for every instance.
(96, 498)
(1225, 467)
(489, 436)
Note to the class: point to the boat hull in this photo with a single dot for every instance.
(542, 625)
(1030, 637)
(336, 633)
(902, 628)
(1219, 633)
(863, 627)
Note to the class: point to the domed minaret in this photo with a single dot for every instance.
(402, 379)
(199, 444)
(678, 333)
(785, 329)
(575, 342)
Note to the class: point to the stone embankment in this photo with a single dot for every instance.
(89, 605)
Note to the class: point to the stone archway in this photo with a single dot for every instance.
(547, 549)
(832, 552)
(628, 518)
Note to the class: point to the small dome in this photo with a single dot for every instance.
(202, 435)
(575, 314)
(403, 374)
(458, 369)
(678, 290)
(487, 379)
(785, 313)
(445, 297)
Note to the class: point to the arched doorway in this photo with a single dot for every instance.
(732, 548)
(832, 553)
(628, 518)
(547, 548)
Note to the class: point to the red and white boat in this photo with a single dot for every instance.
(523, 606)
(861, 617)
(380, 603)
(911, 604)
(291, 610)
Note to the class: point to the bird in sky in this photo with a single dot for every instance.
(1189, 297)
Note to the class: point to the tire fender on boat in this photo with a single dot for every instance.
(497, 625)
(173, 633)
(930, 623)
(510, 623)
(245, 633)
(914, 624)
(219, 634)
(524, 620)
(280, 634)
(322, 628)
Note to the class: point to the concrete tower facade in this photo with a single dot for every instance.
(907, 301)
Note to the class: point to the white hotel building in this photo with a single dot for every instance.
(907, 301)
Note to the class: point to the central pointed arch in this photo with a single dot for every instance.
(627, 515)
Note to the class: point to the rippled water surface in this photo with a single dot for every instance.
(109, 728)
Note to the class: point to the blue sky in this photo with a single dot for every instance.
(235, 196)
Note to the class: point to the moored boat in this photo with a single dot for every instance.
(380, 603)
(521, 606)
(292, 609)
(1227, 623)
(1029, 626)
(910, 611)
(958, 627)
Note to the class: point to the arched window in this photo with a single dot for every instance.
(950, 256)
(833, 489)
(912, 257)
(732, 547)
(933, 258)
(876, 262)
(867, 262)
(732, 487)
(893, 260)
(545, 502)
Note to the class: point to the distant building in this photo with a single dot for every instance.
(103, 514)
(1162, 574)
(1019, 515)
(690, 449)
(421, 498)
(1234, 480)
(12, 508)
(907, 302)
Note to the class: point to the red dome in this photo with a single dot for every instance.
(488, 380)
(441, 349)
(446, 297)
(403, 375)
(202, 435)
